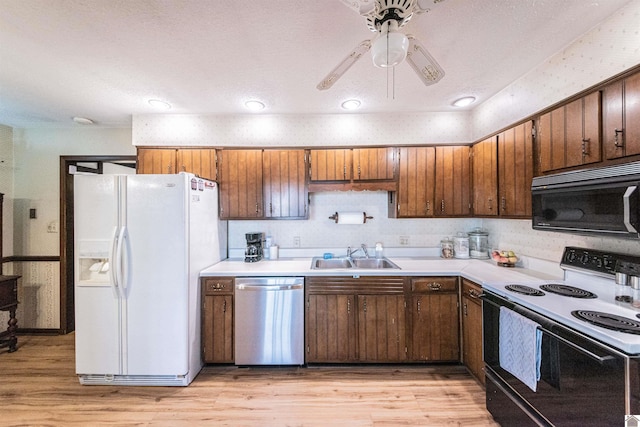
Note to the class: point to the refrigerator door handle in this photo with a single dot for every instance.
(118, 261)
(114, 254)
(125, 260)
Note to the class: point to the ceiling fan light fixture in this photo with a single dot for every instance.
(463, 102)
(389, 49)
(254, 105)
(351, 104)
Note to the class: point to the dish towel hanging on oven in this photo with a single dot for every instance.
(520, 346)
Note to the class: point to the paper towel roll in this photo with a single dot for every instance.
(350, 218)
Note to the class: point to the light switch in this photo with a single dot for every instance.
(32, 213)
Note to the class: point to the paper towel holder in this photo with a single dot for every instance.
(335, 217)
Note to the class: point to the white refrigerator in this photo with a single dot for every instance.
(140, 243)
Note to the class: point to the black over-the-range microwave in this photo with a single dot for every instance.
(602, 201)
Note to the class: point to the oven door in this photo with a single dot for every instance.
(582, 382)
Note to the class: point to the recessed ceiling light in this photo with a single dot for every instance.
(83, 120)
(160, 105)
(254, 105)
(463, 102)
(350, 104)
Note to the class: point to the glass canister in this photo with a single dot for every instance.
(446, 248)
(461, 245)
(478, 243)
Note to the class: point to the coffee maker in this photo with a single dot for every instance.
(253, 252)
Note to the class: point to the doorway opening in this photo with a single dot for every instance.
(70, 166)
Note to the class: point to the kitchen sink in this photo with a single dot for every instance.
(318, 263)
(321, 263)
(373, 263)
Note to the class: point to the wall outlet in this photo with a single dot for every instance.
(296, 241)
(52, 227)
(404, 240)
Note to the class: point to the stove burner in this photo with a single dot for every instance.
(525, 290)
(567, 291)
(609, 321)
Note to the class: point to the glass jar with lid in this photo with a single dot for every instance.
(446, 248)
(461, 245)
(479, 243)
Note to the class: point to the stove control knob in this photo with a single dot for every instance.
(584, 258)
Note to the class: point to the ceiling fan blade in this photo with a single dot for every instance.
(363, 7)
(343, 66)
(427, 68)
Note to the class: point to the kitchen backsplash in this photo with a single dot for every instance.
(321, 232)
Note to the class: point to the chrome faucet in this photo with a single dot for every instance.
(362, 247)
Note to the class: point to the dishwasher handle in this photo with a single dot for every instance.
(243, 287)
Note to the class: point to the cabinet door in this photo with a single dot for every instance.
(435, 327)
(452, 181)
(240, 184)
(631, 114)
(515, 161)
(331, 165)
(416, 182)
(217, 328)
(472, 329)
(199, 161)
(381, 328)
(582, 131)
(285, 189)
(374, 163)
(156, 161)
(551, 139)
(330, 328)
(620, 108)
(485, 177)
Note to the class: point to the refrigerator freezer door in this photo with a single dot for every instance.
(156, 286)
(97, 306)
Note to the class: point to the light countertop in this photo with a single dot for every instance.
(478, 271)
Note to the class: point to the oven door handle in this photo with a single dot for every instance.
(603, 360)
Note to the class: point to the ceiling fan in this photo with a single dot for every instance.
(390, 47)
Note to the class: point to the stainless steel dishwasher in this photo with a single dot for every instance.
(269, 321)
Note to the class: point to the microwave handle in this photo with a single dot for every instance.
(627, 208)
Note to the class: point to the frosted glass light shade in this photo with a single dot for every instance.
(389, 49)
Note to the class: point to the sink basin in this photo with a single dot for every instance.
(375, 263)
(318, 263)
(321, 263)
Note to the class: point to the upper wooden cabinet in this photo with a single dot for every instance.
(285, 188)
(432, 181)
(357, 168)
(240, 178)
(570, 135)
(620, 112)
(416, 180)
(452, 181)
(331, 165)
(258, 184)
(200, 161)
(485, 177)
(515, 170)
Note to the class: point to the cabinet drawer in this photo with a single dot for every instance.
(472, 291)
(217, 285)
(434, 284)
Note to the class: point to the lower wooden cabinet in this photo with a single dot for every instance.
(217, 319)
(355, 320)
(472, 329)
(434, 313)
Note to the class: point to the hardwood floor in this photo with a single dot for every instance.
(38, 387)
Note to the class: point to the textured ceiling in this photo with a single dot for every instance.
(103, 59)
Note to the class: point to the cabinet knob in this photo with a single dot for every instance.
(435, 286)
